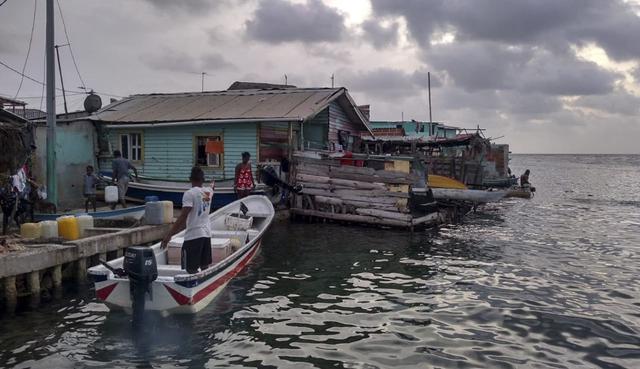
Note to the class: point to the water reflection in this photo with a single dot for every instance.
(546, 283)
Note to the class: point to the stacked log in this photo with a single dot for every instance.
(355, 194)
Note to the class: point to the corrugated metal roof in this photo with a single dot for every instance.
(286, 104)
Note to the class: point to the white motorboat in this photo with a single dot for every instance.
(174, 291)
(474, 196)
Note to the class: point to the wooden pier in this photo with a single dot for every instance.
(42, 268)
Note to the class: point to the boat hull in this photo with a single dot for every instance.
(475, 196)
(169, 297)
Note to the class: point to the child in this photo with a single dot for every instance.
(90, 181)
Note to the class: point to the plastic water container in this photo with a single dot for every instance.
(84, 222)
(111, 194)
(153, 212)
(220, 249)
(30, 230)
(68, 228)
(150, 198)
(49, 229)
(167, 212)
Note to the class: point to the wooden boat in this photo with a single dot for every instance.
(474, 196)
(436, 181)
(173, 190)
(133, 212)
(175, 291)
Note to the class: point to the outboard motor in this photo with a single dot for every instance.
(142, 269)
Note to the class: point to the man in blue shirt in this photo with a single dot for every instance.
(120, 167)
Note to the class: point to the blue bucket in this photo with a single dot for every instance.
(150, 198)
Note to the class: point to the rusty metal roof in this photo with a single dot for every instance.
(290, 104)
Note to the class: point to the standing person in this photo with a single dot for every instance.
(524, 179)
(90, 181)
(244, 183)
(194, 217)
(120, 167)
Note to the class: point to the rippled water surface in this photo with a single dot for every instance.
(550, 282)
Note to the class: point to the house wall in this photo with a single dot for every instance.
(75, 142)
(316, 131)
(338, 121)
(169, 152)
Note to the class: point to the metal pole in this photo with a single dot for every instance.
(52, 190)
(203, 73)
(64, 95)
(429, 88)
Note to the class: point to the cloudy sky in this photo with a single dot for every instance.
(551, 76)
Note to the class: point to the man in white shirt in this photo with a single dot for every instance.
(194, 218)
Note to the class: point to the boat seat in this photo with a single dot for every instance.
(166, 270)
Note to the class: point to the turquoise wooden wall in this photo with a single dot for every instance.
(316, 131)
(169, 152)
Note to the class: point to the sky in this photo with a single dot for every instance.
(545, 76)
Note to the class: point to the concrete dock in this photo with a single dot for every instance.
(42, 268)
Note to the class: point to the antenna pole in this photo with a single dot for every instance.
(52, 190)
(285, 80)
(64, 95)
(333, 78)
(203, 73)
(429, 89)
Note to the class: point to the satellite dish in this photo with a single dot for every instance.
(92, 103)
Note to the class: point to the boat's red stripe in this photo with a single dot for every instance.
(104, 292)
(184, 300)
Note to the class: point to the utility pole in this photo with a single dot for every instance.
(333, 78)
(203, 74)
(286, 80)
(64, 95)
(52, 191)
(429, 89)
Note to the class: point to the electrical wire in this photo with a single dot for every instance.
(2, 3)
(57, 88)
(26, 59)
(73, 58)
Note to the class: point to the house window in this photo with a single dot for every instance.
(131, 146)
(203, 158)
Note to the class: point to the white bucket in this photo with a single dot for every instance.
(111, 194)
(84, 222)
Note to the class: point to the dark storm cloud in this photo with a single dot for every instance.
(620, 103)
(278, 21)
(613, 25)
(478, 65)
(388, 83)
(329, 52)
(380, 36)
(482, 65)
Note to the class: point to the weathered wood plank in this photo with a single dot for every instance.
(384, 214)
(353, 218)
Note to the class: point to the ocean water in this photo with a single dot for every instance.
(551, 282)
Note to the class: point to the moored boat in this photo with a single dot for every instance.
(133, 212)
(474, 196)
(174, 291)
(174, 190)
(521, 192)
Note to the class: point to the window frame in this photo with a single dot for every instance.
(127, 153)
(218, 134)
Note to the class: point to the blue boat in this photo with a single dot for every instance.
(133, 212)
(173, 190)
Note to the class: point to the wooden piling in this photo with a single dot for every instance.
(33, 282)
(81, 271)
(10, 294)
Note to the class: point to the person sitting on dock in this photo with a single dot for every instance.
(524, 179)
(120, 167)
(244, 183)
(90, 181)
(194, 218)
